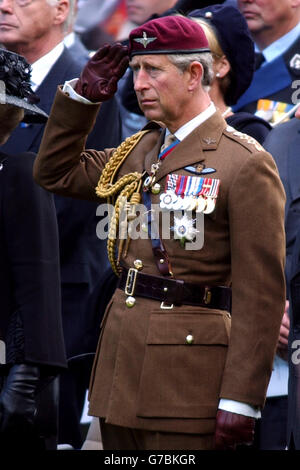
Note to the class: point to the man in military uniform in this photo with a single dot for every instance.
(180, 363)
(275, 29)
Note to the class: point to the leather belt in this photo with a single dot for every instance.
(173, 291)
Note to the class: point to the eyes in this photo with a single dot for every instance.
(151, 70)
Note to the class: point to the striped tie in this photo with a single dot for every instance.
(170, 142)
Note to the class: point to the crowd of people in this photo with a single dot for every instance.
(188, 108)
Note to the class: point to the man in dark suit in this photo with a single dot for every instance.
(293, 425)
(72, 40)
(87, 279)
(275, 28)
(283, 142)
(30, 317)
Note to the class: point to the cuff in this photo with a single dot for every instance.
(239, 408)
(68, 88)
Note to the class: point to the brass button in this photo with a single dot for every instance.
(130, 301)
(189, 339)
(155, 188)
(161, 261)
(138, 264)
(165, 289)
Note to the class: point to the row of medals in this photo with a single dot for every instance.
(169, 200)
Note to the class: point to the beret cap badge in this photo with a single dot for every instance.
(144, 40)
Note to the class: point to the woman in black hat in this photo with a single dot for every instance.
(233, 53)
(31, 341)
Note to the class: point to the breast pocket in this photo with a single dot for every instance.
(183, 365)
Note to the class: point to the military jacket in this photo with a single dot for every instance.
(146, 374)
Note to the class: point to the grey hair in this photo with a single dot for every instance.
(182, 61)
(70, 20)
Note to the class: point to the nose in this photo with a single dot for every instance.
(140, 80)
(6, 5)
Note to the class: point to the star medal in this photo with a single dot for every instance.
(184, 229)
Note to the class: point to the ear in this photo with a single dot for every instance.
(222, 67)
(62, 11)
(196, 72)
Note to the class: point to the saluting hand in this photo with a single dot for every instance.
(99, 78)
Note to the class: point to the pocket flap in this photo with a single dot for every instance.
(189, 329)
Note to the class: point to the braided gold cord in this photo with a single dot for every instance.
(122, 190)
(112, 234)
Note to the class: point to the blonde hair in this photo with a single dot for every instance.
(211, 36)
(216, 52)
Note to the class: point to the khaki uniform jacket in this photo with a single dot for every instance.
(145, 375)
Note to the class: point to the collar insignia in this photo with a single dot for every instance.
(144, 40)
(209, 140)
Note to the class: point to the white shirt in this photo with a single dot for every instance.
(224, 404)
(188, 127)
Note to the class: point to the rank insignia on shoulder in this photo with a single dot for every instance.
(190, 193)
(245, 137)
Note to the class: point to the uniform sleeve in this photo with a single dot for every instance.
(62, 165)
(256, 216)
(31, 242)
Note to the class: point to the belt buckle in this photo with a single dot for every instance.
(130, 281)
(166, 306)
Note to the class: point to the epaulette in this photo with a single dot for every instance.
(244, 139)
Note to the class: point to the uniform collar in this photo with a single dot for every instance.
(205, 136)
(188, 127)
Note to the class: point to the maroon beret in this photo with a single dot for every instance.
(168, 35)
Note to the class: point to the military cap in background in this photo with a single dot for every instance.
(234, 38)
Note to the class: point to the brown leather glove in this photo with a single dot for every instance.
(233, 429)
(99, 78)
